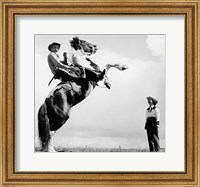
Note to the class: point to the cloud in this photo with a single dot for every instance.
(156, 44)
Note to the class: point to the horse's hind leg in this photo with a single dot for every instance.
(45, 131)
(50, 145)
(43, 127)
(58, 112)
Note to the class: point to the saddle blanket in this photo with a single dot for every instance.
(72, 86)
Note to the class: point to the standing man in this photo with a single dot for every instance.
(152, 124)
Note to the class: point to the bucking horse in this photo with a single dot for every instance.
(55, 110)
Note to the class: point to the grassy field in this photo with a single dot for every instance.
(93, 149)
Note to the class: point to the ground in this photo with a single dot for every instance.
(96, 149)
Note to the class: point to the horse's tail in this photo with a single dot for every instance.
(43, 126)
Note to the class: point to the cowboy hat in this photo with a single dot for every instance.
(153, 99)
(52, 44)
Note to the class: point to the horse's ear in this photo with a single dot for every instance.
(95, 48)
(76, 39)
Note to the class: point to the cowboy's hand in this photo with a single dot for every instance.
(65, 54)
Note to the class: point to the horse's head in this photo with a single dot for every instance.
(87, 47)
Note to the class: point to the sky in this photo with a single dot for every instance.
(115, 117)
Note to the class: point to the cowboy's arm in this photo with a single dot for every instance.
(157, 115)
(65, 59)
(146, 120)
(56, 62)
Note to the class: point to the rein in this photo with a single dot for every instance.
(101, 86)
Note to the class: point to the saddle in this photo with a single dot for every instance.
(70, 74)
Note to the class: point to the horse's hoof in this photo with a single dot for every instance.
(52, 151)
(44, 150)
(124, 67)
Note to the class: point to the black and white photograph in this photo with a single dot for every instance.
(100, 92)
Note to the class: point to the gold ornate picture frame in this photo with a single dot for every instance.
(12, 8)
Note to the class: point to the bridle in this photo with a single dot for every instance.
(91, 46)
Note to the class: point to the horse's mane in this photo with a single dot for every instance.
(75, 43)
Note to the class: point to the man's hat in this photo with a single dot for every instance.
(52, 44)
(153, 99)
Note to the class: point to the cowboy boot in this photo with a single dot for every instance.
(107, 83)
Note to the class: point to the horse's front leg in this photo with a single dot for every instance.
(120, 67)
(117, 66)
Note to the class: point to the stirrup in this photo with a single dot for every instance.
(108, 85)
(107, 82)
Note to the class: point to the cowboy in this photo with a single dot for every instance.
(56, 64)
(54, 60)
(61, 69)
(152, 124)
